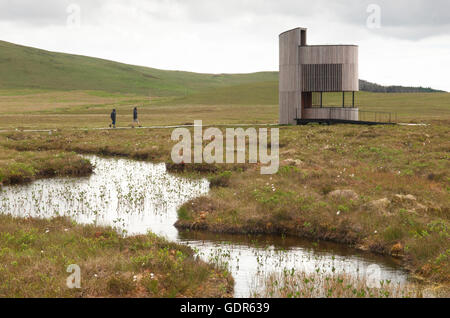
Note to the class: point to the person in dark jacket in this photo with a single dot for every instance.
(135, 117)
(113, 119)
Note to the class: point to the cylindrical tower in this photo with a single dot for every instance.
(290, 88)
(306, 69)
(329, 68)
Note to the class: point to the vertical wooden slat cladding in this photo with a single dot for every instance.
(290, 75)
(327, 113)
(318, 68)
(344, 55)
(322, 77)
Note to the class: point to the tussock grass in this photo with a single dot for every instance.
(35, 253)
(302, 285)
(377, 163)
(24, 166)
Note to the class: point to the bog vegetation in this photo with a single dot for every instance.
(383, 189)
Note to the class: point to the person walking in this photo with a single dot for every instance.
(135, 117)
(113, 119)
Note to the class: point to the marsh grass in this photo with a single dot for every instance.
(18, 167)
(319, 285)
(375, 162)
(35, 254)
(221, 180)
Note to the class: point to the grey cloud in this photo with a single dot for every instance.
(43, 12)
(413, 13)
(409, 19)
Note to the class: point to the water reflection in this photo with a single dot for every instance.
(137, 197)
(133, 197)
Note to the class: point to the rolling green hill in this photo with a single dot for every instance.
(25, 67)
(376, 88)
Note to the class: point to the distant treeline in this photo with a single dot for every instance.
(375, 88)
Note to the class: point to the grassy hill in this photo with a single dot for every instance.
(24, 67)
(376, 88)
(34, 80)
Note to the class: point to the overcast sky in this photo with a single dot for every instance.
(408, 45)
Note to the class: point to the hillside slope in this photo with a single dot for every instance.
(26, 67)
(366, 86)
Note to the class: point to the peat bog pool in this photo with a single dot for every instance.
(136, 197)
